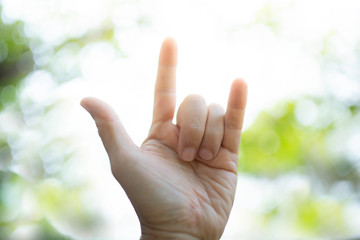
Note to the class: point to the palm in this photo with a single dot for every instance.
(195, 194)
(182, 179)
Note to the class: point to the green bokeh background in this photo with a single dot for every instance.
(278, 143)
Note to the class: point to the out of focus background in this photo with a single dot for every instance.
(299, 171)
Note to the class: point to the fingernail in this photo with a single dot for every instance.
(188, 154)
(205, 154)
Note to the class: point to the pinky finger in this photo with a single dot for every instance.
(234, 116)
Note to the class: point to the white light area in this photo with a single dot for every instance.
(335, 146)
(343, 190)
(353, 149)
(9, 122)
(38, 87)
(255, 197)
(352, 218)
(28, 205)
(53, 21)
(25, 232)
(306, 112)
(274, 69)
(125, 15)
(343, 87)
(311, 20)
(210, 57)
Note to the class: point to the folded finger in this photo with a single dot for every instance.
(214, 132)
(191, 119)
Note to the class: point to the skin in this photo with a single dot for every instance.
(182, 179)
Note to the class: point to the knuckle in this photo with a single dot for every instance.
(213, 134)
(105, 127)
(195, 98)
(232, 125)
(233, 121)
(101, 132)
(115, 172)
(104, 132)
(214, 107)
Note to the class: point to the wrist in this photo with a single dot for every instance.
(150, 234)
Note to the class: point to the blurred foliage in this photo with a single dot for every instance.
(15, 223)
(322, 216)
(40, 196)
(310, 215)
(306, 136)
(15, 59)
(294, 135)
(299, 137)
(34, 192)
(267, 16)
(316, 137)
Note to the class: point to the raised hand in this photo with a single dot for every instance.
(182, 180)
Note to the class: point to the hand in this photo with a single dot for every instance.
(182, 180)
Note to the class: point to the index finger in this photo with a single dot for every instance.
(234, 116)
(165, 87)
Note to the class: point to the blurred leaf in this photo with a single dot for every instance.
(321, 216)
(15, 56)
(278, 141)
(48, 232)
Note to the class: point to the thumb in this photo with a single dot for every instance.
(116, 140)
